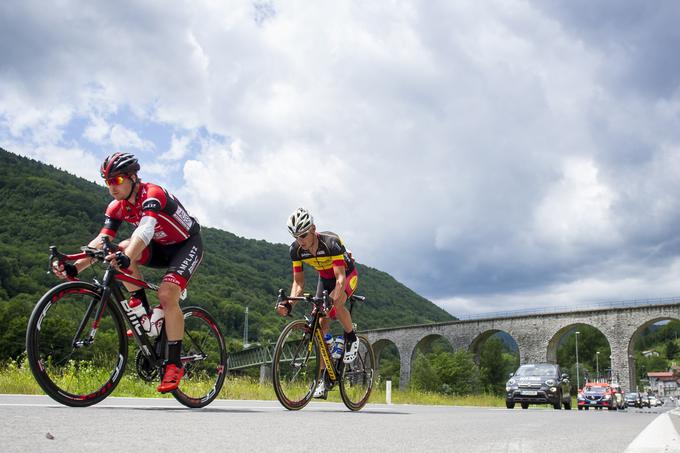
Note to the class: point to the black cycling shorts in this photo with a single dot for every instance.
(181, 259)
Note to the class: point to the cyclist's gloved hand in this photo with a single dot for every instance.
(122, 260)
(284, 308)
(63, 270)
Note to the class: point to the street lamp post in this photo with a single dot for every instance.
(578, 386)
(597, 365)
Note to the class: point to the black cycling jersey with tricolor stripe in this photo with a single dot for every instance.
(173, 223)
(330, 252)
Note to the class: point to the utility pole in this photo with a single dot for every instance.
(245, 331)
(577, 379)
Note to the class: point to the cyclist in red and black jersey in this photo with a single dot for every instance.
(326, 253)
(165, 236)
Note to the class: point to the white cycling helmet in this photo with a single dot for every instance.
(300, 222)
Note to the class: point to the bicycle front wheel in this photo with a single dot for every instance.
(356, 378)
(204, 358)
(296, 365)
(72, 366)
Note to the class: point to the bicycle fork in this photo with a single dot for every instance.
(100, 304)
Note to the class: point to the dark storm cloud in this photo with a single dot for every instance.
(639, 38)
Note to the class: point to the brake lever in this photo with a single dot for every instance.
(54, 255)
(107, 245)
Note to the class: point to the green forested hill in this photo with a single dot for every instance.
(42, 206)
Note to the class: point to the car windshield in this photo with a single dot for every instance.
(596, 388)
(632, 395)
(536, 370)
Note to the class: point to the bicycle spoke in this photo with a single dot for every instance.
(295, 366)
(357, 377)
(203, 357)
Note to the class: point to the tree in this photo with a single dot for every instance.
(671, 349)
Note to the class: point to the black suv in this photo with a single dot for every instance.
(538, 383)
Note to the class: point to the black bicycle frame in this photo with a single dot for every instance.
(111, 294)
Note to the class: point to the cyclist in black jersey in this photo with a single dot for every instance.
(326, 253)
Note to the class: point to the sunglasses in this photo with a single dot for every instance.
(115, 181)
(302, 236)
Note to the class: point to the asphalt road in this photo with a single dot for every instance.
(38, 424)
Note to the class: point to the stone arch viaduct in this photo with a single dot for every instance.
(536, 335)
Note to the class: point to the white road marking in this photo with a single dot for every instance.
(659, 436)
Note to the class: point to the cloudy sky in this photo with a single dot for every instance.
(493, 155)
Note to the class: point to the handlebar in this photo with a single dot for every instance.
(91, 252)
(324, 299)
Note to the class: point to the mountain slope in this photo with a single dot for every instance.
(43, 206)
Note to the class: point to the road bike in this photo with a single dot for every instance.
(77, 342)
(300, 350)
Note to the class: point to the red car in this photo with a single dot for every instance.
(597, 395)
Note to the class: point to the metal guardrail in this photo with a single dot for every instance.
(572, 308)
(259, 355)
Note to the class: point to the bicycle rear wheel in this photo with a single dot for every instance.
(296, 365)
(356, 378)
(70, 368)
(204, 358)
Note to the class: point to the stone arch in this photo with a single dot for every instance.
(425, 343)
(632, 366)
(378, 348)
(566, 330)
(475, 346)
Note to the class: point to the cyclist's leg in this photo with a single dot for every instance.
(184, 261)
(344, 316)
(325, 322)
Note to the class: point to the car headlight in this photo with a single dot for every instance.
(580, 397)
(607, 397)
(511, 383)
(553, 389)
(550, 382)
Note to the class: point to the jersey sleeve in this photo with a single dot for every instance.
(337, 250)
(112, 220)
(294, 257)
(156, 199)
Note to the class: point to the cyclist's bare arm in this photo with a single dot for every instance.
(296, 290)
(340, 278)
(133, 250)
(298, 287)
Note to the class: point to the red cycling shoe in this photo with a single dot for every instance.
(173, 374)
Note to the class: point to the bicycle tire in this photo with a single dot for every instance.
(72, 376)
(295, 368)
(204, 375)
(356, 378)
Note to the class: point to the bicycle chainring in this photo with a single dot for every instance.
(145, 369)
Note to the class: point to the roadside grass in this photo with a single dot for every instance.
(16, 378)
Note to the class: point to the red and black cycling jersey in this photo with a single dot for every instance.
(173, 223)
(331, 252)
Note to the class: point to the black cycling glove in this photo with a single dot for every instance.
(123, 260)
(71, 270)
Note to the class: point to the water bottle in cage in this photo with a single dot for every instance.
(328, 339)
(137, 308)
(157, 319)
(338, 347)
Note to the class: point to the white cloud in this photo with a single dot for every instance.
(619, 284)
(469, 149)
(577, 209)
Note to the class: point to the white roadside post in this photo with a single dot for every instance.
(388, 391)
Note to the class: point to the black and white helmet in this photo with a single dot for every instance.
(300, 222)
